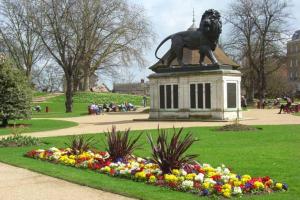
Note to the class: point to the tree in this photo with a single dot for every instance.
(21, 43)
(257, 30)
(49, 78)
(15, 93)
(75, 32)
(114, 33)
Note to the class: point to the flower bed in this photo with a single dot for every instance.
(203, 179)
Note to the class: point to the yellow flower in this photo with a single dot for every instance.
(278, 186)
(175, 172)
(170, 178)
(181, 178)
(152, 179)
(42, 155)
(246, 178)
(237, 183)
(190, 176)
(226, 187)
(227, 193)
(259, 185)
(206, 185)
(140, 175)
(106, 169)
(211, 173)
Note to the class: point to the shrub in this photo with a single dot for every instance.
(15, 93)
(119, 145)
(170, 155)
(80, 144)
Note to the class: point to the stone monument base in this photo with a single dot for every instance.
(191, 92)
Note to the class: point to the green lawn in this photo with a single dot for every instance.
(81, 101)
(272, 151)
(39, 125)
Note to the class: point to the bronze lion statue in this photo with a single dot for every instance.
(205, 38)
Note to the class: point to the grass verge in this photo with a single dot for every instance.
(36, 125)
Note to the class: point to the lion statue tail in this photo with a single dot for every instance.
(166, 39)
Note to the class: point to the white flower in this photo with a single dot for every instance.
(56, 155)
(53, 149)
(199, 177)
(218, 169)
(205, 165)
(226, 171)
(182, 172)
(237, 190)
(187, 184)
(140, 159)
(225, 178)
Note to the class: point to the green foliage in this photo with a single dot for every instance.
(80, 144)
(18, 140)
(15, 93)
(170, 155)
(119, 145)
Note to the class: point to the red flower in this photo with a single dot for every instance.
(112, 172)
(218, 188)
(197, 184)
(216, 177)
(265, 179)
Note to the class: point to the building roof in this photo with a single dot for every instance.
(296, 35)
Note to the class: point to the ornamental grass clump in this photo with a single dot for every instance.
(18, 140)
(80, 144)
(119, 145)
(170, 155)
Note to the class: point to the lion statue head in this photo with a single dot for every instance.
(211, 25)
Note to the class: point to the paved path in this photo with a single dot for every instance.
(101, 123)
(46, 97)
(21, 184)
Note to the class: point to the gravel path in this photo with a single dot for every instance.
(101, 123)
(21, 184)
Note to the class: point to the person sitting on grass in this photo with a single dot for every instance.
(287, 106)
(38, 108)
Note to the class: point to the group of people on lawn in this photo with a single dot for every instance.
(283, 107)
(111, 107)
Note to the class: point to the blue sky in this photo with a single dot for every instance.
(170, 16)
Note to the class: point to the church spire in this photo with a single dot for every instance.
(193, 16)
(193, 27)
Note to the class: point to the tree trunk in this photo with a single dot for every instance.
(4, 122)
(69, 93)
(86, 79)
(75, 84)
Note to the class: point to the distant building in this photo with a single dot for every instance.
(102, 88)
(293, 60)
(141, 88)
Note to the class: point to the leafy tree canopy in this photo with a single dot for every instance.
(15, 93)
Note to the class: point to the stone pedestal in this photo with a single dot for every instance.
(196, 93)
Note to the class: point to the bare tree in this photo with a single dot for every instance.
(115, 33)
(57, 24)
(258, 29)
(21, 42)
(48, 78)
(82, 35)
